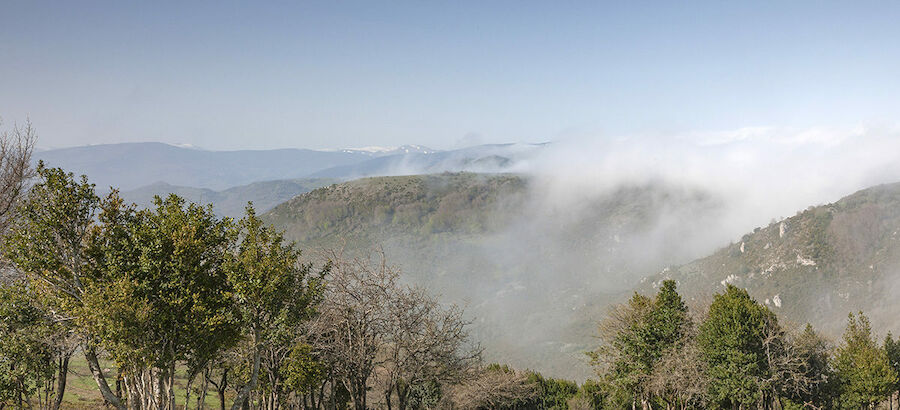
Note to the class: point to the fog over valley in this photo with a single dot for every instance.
(538, 239)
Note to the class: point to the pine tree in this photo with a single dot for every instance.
(732, 340)
(639, 334)
(863, 368)
(892, 348)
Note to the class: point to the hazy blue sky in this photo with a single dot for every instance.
(227, 75)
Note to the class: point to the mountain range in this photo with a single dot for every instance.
(132, 166)
(129, 166)
(232, 201)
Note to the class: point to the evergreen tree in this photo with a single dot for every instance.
(863, 368)
(732, 341)
(639, 334)
(892, 348)
(813, 352)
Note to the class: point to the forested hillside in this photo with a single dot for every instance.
(816, 266)
(535, 276)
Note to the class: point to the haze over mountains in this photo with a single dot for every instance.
(129, 166)
(132, 165)
(232, 201)
(533, 277)
(538, 240)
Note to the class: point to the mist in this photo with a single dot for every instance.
(759, 173)
(601, 214)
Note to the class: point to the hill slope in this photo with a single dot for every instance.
(533, 276)
(816, 266)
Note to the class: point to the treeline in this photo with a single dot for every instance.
(735, 354)
(248, 318)
(656, 354)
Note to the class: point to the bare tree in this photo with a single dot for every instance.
(427, 344)
(798, 366)
(375, 334)
(16, 147)
(679, 377)
(493, 387)
(354, 321)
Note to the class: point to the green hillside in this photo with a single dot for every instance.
(816, 266)
(534, 276)
(416, 205)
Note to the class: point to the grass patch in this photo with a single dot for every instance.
(82, 391)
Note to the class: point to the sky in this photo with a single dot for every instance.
(233, 75)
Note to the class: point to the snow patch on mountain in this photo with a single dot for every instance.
(379, 151)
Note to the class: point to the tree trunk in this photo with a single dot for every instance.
(402, 397)
(244, 394)
(160, 389)
(362, 396)
(61, 380)
(187, 393)
(220, 387)
(171, 387)
(204, 387)
(317, 404)
(91, 356)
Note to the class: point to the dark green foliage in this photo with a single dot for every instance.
(592, 394)
(273, 293)
(303, 371)
(643, 332)
(814, 353)
(424, 205)
(732, 339)
(49, 238)
(892, 349)
(863, 369)
(744, 359)
(425, 395)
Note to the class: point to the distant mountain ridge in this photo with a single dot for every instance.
(491, 158)
(130, 166)
(232, 201)
(376, 151)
